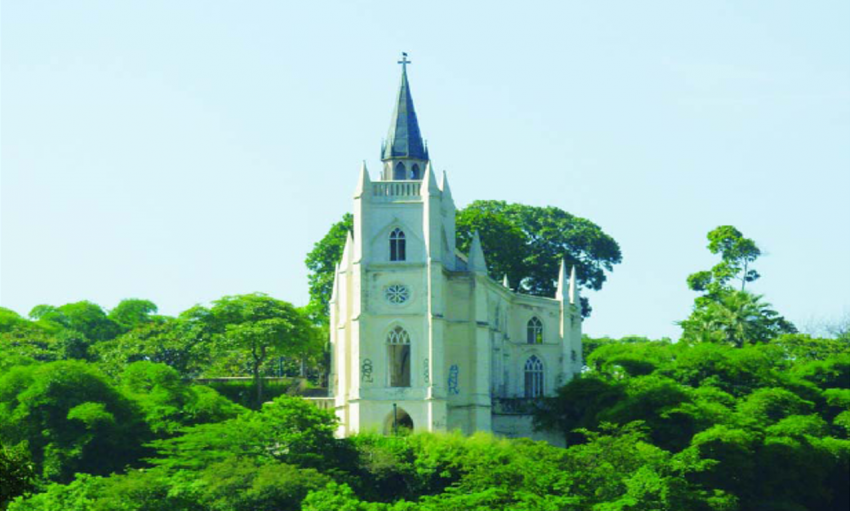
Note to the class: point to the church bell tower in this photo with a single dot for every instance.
(421, 336)
(387, 309)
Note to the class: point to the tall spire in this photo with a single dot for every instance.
(404, 139)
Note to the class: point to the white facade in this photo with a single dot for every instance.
(421, 336)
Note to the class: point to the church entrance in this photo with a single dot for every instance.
(398, 422)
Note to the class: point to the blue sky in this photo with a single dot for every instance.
(183, 151)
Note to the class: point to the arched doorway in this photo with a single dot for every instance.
(398, 421)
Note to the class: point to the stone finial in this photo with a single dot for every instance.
(444, 186)
(334, 291)
(363, 182)
(505, 282)
(348, 251)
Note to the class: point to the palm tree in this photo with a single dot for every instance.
(736, 318)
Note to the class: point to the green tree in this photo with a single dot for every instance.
(737, 253)
(736, 318)
(578, 404)
(506, 244)
(551, 235)
(17, 474)
(184, 343)
(286, 430)
(72, 419)
(84, 317)
(170, 404)
(321, 262)
(247, 484)
(132, 312)
(263, 327)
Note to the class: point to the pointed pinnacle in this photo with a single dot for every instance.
(429, 182)
(476, 260)
(573, 287)
(363, 181)
(561, 291)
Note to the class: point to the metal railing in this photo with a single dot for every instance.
(515, 405)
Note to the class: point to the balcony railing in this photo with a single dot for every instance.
(389, 190)
(515, 405)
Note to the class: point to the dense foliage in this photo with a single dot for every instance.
(106, 411)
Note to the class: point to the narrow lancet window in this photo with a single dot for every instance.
(400, 172)
(533, 377)
(414, 172)
(398, 246)
(398, 344)
(535, 331)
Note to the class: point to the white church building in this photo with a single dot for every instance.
(421, 337)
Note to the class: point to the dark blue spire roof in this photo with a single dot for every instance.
(404, 139)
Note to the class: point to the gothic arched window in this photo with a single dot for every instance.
(400, 173)
(398, 246)
(414, 172)
(533, 377)
(398, 345)
(534, 331)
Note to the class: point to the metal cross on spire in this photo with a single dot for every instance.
(404, 62)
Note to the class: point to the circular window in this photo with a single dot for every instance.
(397, 293)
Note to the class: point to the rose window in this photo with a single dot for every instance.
(397, 293)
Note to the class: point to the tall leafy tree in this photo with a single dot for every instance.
(495, 230)
(17, 474)
(184, 343)
(132, 312)
(71, 418)
(321, 262)
(737, 254)
(726, 314)
(84, 317)
(263, 327)
(551, 234)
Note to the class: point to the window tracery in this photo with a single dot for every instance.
(534, 331)
(398, 245)
(533, 377)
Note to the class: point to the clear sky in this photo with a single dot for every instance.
(183, 151)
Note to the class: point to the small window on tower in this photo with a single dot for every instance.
(534, 331)
(398, 248)
(414, 172)
(400, 172)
